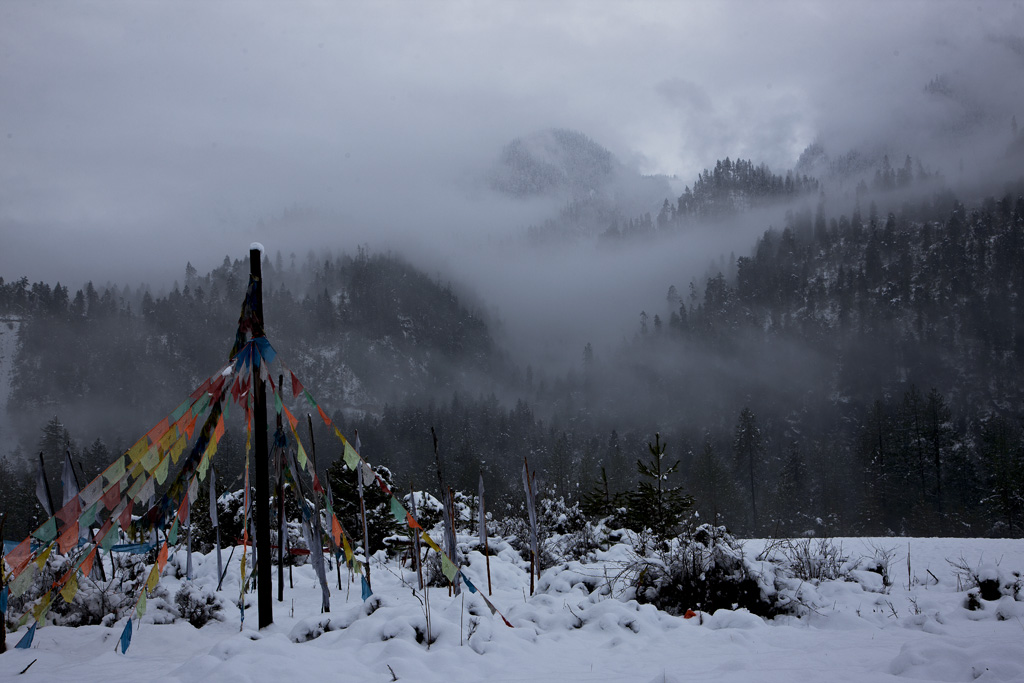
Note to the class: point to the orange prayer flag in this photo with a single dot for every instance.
(161, 558)
(86, 566)
(336, 530)
(69, 538)
(323, 416)
(291, 418)
(158, 430)
(219, 429)
(20, 556)
(413, 524)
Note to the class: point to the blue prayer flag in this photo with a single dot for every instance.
(469, 584)
(26, 640)
(126, 637)
(366, 589)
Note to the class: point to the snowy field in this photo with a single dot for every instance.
(852, 630)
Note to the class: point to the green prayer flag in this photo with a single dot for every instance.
(47, 532)
(277, 403)
(309, 397)
(397, 511)
(23, 581)
(351, 457)
(302, 455)
(108, 541)
(201, 404)
(172, 535)
(448, 568)
(89, 516)
(140, 609)
(180, 410)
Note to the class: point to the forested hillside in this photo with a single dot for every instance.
(850, 374)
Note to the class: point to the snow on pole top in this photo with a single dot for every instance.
(257, 246)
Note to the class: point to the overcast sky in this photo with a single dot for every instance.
(138, 135)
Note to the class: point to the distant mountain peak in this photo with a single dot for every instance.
(554, 161)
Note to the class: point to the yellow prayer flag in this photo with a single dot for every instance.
(70, 589)
(136, 452)
(168, 438)
(161, 471)
(429, 541)
(177, 448)
(152, 458)
(40, 610)
(43, 556)
(154, 576)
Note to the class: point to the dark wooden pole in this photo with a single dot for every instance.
(3, 617)
(265, 589)
(281, 532)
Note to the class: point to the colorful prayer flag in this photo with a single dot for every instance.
(47, 531)
(26, 640)
(126, 637)
(70, 589)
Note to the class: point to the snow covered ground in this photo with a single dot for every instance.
(917, 629)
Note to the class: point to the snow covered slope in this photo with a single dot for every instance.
(916, 632)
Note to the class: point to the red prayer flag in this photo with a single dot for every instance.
(383, 486)
(317, 486)
(126, 515)
(296, 385)
(69, 513)
(200, 390)
(183, 509)
(158, 431)
(112, 495)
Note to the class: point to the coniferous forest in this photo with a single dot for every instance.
(852, 373)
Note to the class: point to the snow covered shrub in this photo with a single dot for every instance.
(565, 532)
(988, 581)
(196, 605)
(813, 559)
(701, 570)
